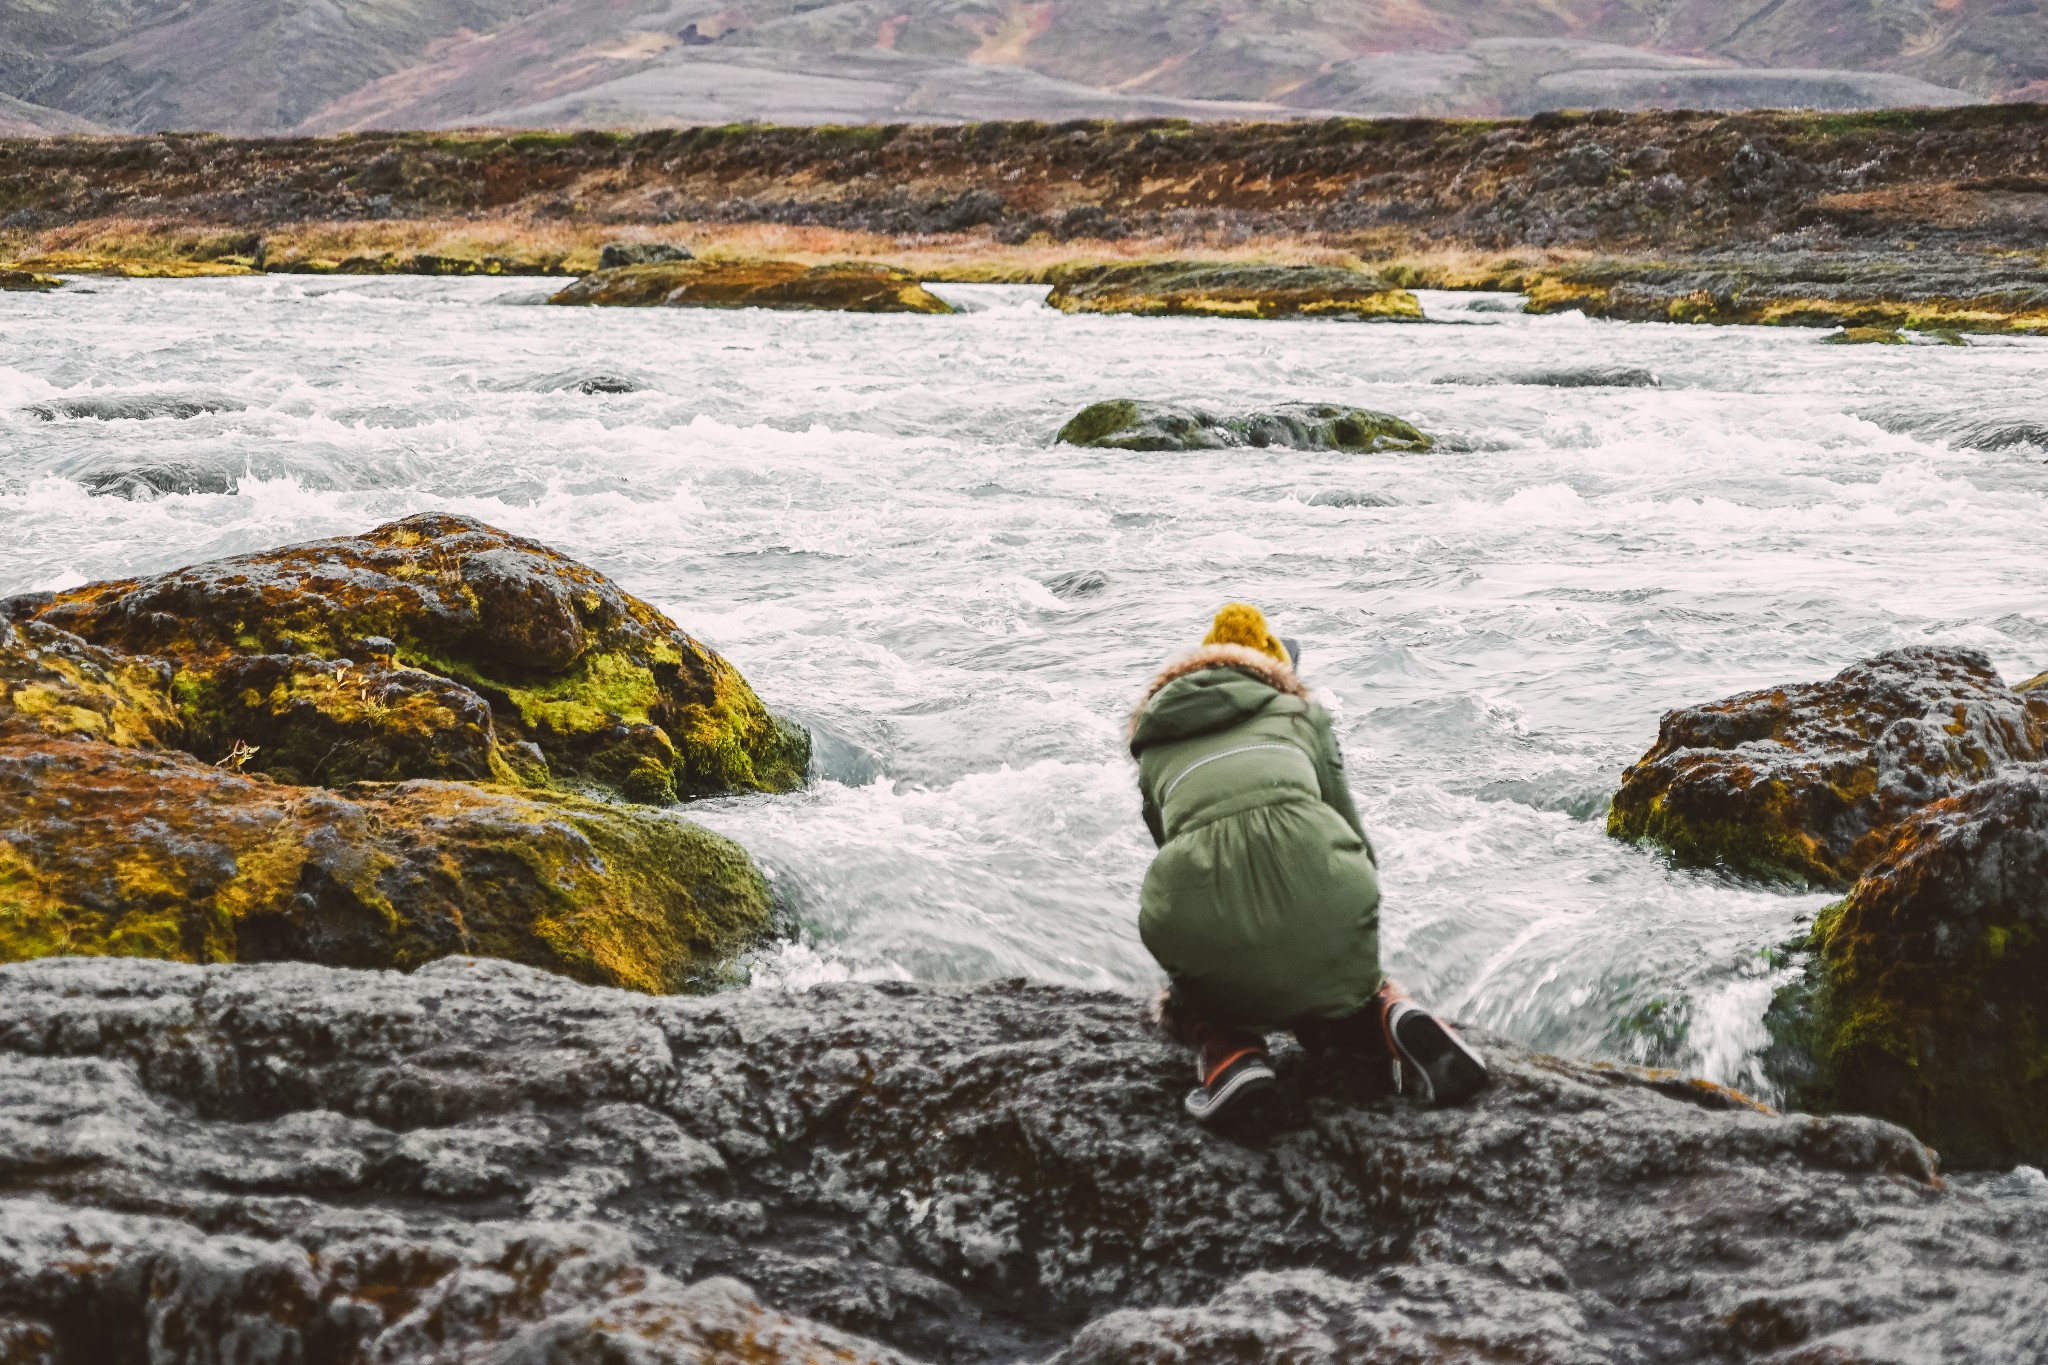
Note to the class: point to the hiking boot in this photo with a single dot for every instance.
(1229, 1076)
(1443, 1069)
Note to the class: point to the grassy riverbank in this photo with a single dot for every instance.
(1889, 218)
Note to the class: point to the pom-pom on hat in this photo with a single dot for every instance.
(1239, 624)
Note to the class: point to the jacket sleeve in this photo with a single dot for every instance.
(1336, 792)
(1154, 821)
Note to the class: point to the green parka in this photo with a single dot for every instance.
(1263, 901)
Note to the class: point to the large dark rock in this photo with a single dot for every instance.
(1923, 1000)
(1122, 424)
(480, 1162)
(434, 647)
(1809, 782)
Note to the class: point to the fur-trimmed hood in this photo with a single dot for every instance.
(1263, 668)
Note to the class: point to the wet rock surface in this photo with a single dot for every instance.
(1809, 782)
(1922, 999)
(846, 287)
(483, 1162)
(1211, 289)
(1122, 424)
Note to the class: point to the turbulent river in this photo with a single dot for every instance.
(867, 515)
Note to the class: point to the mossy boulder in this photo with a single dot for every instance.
(1122, 424)
(1922, 1001)
(27, 280)
(1809, 782)
(438, 646)
(115, 851)
(843, 287)
(1893, 336)
(1232, 290)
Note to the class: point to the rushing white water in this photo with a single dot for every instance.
(868, 516)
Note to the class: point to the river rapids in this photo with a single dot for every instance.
(867, 515)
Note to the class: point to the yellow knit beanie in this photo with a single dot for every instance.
(1238, 624)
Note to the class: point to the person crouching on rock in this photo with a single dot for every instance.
(1262, 903)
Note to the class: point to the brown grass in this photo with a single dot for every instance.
(521, 244)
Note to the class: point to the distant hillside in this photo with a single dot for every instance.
(267, 66)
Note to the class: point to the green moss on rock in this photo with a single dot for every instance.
(1121, 424)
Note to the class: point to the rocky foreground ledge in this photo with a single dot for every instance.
(483, 1162)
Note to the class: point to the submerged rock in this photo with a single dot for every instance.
(1970, 428)
(493, 640)
(477, 1161)
(1076, 583)
(1121, 424)
(1232, 289)
(1352, 497)
(145, 482)
(844, 287)
(1569, 377)
(1809, 782)
(114, 851)
(1922, 1001)
(135, 407)
(617, 254)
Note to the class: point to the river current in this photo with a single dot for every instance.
(868, 516)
